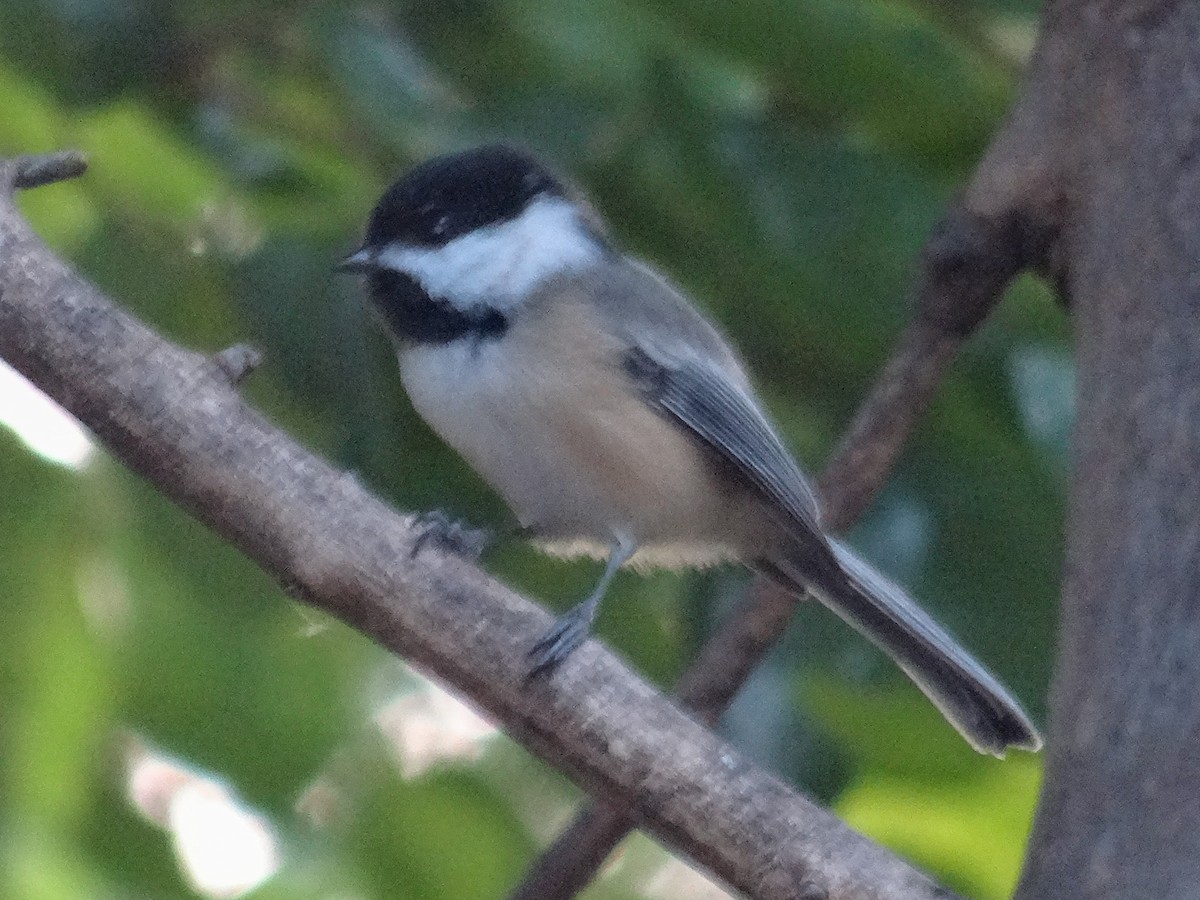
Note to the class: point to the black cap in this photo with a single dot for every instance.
(449, 196)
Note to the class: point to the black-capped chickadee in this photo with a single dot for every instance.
(614, 419)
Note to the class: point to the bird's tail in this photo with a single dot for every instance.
(970, 698)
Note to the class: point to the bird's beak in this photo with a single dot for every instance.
(358, 261)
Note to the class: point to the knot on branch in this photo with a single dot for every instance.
(236, 363)
(968, 261)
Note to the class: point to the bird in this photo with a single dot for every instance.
(614, 418)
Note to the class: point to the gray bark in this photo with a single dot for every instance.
(1113, 104)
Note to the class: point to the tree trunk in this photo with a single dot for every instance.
(1114, 100)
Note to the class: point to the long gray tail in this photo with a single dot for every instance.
(970, 698)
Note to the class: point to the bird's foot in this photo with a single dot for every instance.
(449, 535)
(570, 630)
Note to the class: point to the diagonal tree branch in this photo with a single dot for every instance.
(175, 417)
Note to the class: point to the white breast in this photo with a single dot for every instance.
(549, 421)
(479, 397)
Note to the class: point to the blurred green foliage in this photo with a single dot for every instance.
(782, 160)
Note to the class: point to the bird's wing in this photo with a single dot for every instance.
(710, 403)
(688, 371)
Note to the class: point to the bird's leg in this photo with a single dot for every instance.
(571, 629)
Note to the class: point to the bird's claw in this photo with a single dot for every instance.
(449, 535)
(569, 632)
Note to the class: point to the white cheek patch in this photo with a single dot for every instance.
(499, 265)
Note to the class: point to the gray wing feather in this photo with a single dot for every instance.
(691, 373)
(710, 404)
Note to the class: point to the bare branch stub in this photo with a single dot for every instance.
(35, 171)
(238, 362)
(968, 262)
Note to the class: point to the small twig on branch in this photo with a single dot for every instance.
(35, 171)
(172, 416)
(238, 362)
(968, 261)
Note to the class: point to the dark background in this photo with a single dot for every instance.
(782, 160)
